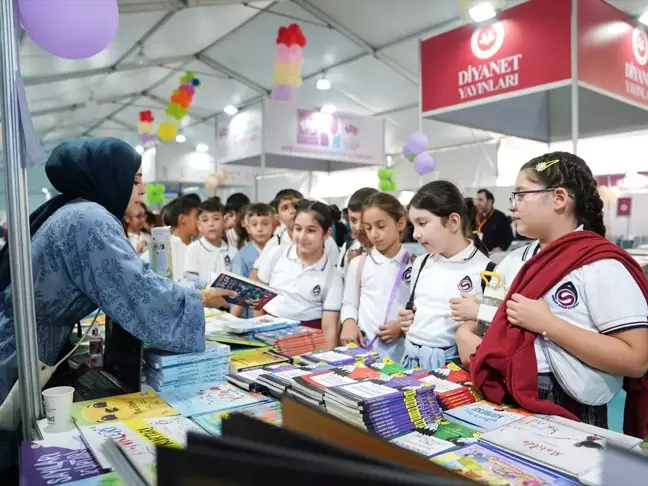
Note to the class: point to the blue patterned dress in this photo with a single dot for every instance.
(81, 261)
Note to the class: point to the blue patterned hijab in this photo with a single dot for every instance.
(101, 170)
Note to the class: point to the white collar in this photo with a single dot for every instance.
(318, 265)
(379, 258)
(464, 255)
(224, 246)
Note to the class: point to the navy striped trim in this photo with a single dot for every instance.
(626, 326)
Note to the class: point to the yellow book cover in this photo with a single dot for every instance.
(255, 360)
(121, 407)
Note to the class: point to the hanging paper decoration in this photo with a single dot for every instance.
(146, 128)
(288, 62)
(179, 105)
(415, 151)
(155, 193)
(69, 28)
(386, 180)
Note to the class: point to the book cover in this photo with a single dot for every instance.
(287, 334)
(58, 460)
(282, 376)
(248, 380)
(436, 437)
(258, 359)
(139, 437)
(261, 323)
(146, 404)
(342, 355)
(251, 294)
(161, 359)
(267, 412)
(486, 415)
(230, 338)
(189, 370)
(486, 466)
(200, 399)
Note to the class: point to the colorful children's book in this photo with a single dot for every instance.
(237, 340)
(436, 437)
(258, 359)
(141, 405)
(113, 479)
(216, 397)
(250, 294)
(261, 324)
(340, 356)
(158, 359)
(269, 412)
(139, 437)
(486, 466)
(58, 460)
(486, 415)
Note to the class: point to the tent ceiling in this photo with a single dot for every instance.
(366, 48)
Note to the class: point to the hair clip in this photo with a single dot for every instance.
(540, 166)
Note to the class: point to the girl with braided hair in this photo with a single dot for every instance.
(574, 321)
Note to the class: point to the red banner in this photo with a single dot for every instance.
(624, 206)
(527, 47)
(612, 51)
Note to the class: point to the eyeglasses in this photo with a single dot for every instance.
(518, 196)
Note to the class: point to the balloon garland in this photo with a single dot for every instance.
(386, 180)
(288, 62)
(155, 193)
(146, 128)
(179, 105)
(415, 151)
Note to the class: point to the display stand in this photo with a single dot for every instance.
(22, 287)
(545, 70)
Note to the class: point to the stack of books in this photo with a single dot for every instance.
(436, 437)
(452, 373)
(260, 324)
(340, 356)
(171, 370)
(485, 416)
(269, 412)
(293, 341)
(255, 360)
(278, 379)
(386, 405)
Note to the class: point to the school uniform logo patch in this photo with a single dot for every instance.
(228, 260)
(566, 296)
(465, 285)
(407, 275)
(316, 291)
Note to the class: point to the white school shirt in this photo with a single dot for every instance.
(343, 264)
(306, 292)
(203, 258)
(284, 240)
(231, 237)
(440, 280)
(379, 276)
(178, 254)
(136, 238)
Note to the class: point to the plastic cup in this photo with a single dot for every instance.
(58, 407)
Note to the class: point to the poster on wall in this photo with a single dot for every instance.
(239, 137)
(525, 49)
(624, 206)
(313, 134)
(612, 52)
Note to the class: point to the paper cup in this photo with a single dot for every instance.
(58, 407)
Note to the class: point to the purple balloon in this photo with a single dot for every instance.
(71, 29)
(424, 164)
(283, 92)
(416, 143)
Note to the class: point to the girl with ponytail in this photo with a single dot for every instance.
(451, 269)
(574, 320)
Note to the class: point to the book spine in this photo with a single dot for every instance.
(190, 370)
(158, 362)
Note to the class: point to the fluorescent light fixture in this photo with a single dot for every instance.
(201, 147)
(328, 109)
(482, 11)
(139, 149)
(181, 138)
(643, 18)
(323, 84)
(231, 110)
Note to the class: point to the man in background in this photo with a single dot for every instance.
(493, 225)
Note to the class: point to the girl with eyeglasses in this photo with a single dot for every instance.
(574, 320)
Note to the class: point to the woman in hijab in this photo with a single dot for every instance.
(82, 260)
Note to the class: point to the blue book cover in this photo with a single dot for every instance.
(250, 294)
(157, 358)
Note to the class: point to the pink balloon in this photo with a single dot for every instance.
(72, 29)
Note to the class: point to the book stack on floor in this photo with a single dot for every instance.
(340, 356)
(171, 370)
(385, 405)
(293, 341)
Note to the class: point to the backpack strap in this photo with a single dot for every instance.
(489, 268)
(410, 302)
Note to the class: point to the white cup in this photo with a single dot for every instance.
(58, 407)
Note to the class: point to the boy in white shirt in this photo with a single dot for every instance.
(210, 253)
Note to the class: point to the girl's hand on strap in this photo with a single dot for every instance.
(532, 315)
(406, 319)
(351, 333)
(464, 308)
(390, 332)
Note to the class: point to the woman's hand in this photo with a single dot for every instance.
(390, 332)
(351, 333)
(406, 319)
(465, 308)
(532, 315)
(141, 246)
(215, 298)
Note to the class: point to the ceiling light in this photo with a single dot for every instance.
(644, 18)
(181, 138)
(323, 84)
(231, 110)
(482, 11)
(139, 149)
(328, 109)
(201, 147)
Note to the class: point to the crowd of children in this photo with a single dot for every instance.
(373, 292)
